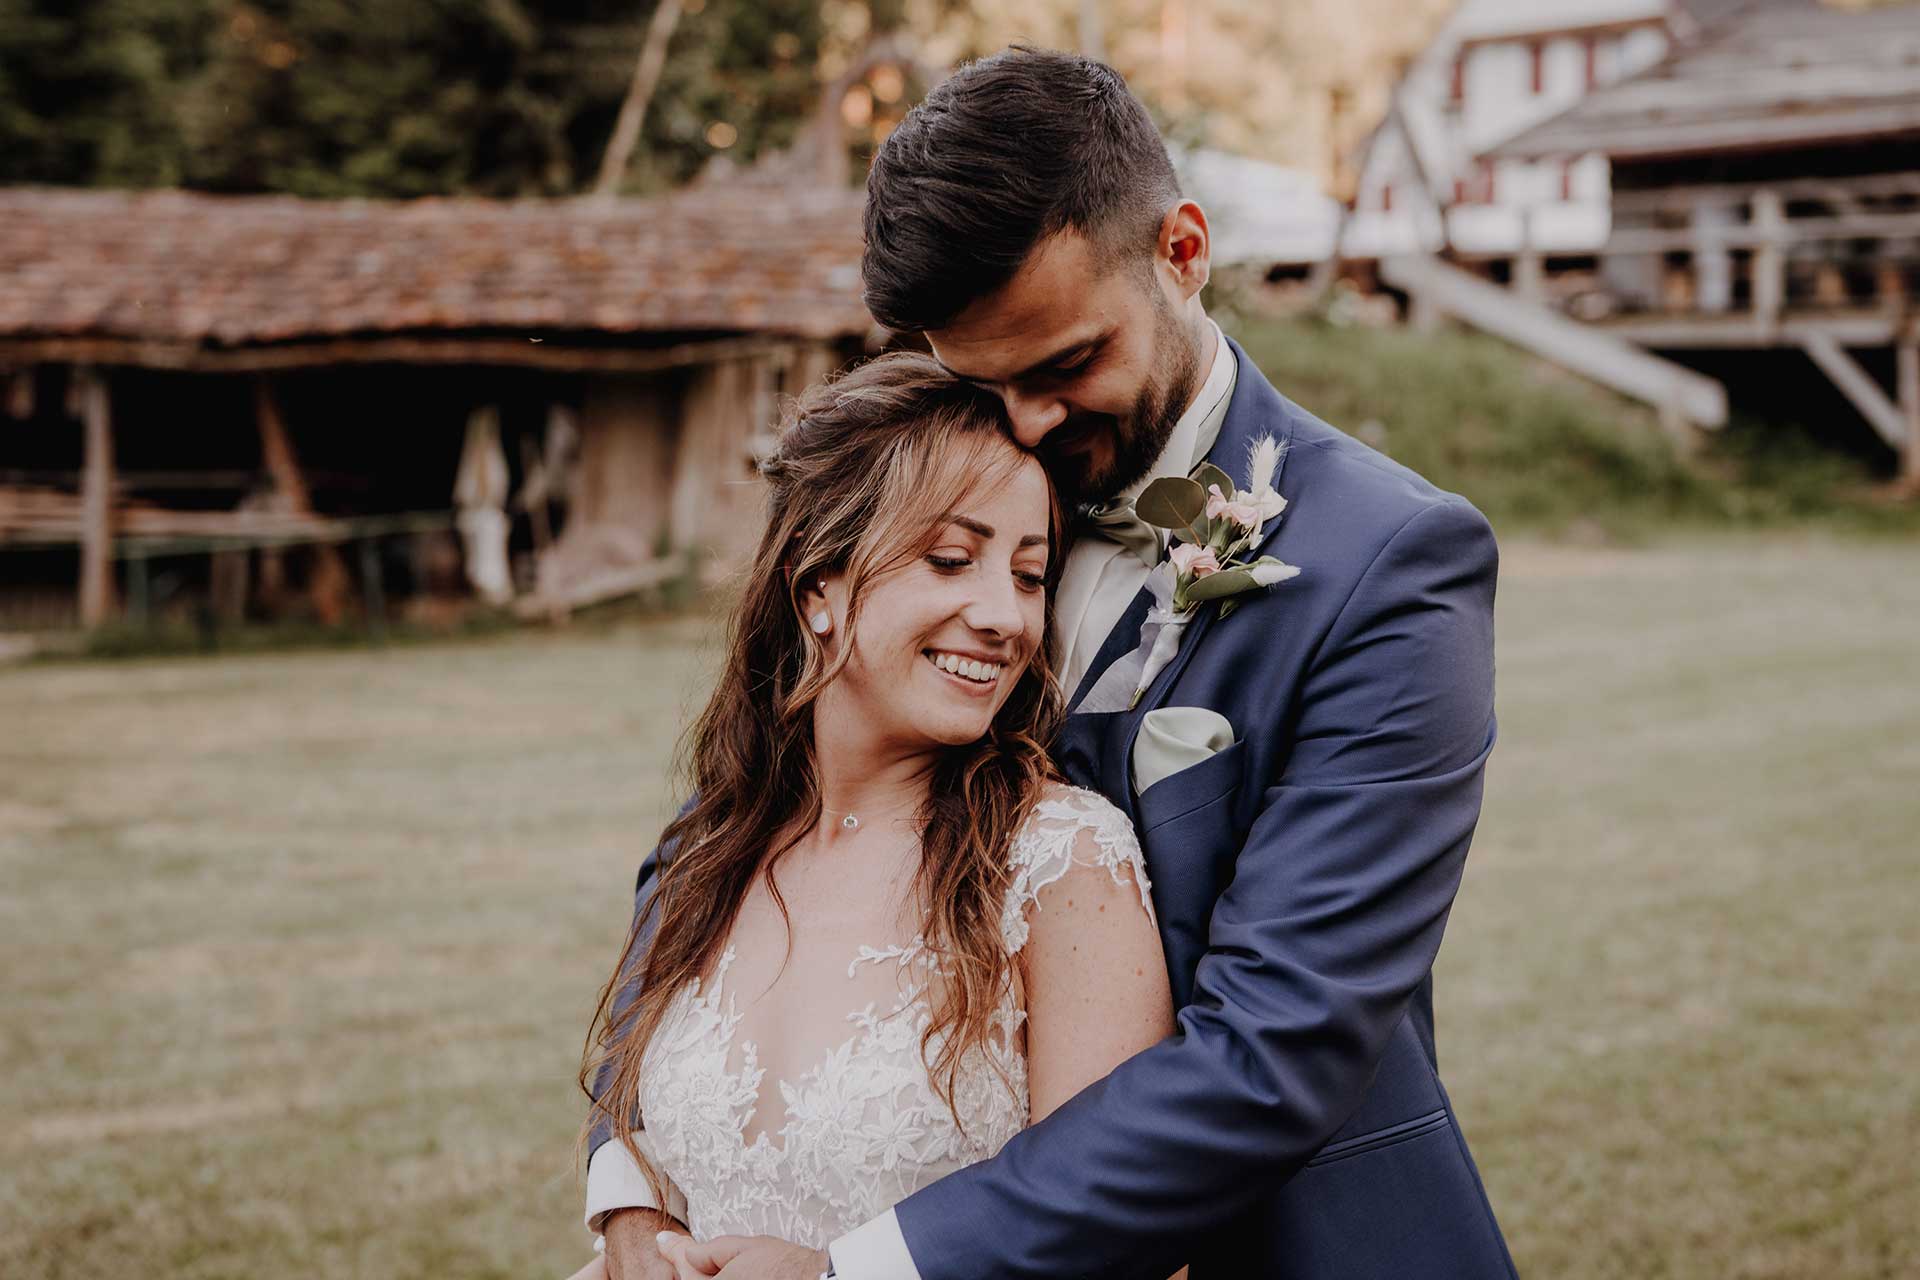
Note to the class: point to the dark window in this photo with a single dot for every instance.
(1539, 59)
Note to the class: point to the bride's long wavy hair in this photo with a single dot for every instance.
(865, 467)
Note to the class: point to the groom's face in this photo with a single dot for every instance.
(1095, 359)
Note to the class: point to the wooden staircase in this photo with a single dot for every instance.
(1680, 394)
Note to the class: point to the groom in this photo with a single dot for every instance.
(1305, 774)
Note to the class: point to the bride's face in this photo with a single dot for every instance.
(941, 641)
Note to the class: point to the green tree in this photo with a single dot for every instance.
(385, 97)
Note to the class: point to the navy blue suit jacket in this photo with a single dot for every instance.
(1294, 1124)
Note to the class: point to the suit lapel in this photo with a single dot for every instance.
(1096, 746)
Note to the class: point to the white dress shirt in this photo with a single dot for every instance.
(1099, 581)
(1101, 577)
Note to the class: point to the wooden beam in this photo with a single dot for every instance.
(1593, 353)
(1739, 330)
(327, 586)
(597, 588)
(1858, 226)
(96, 499)
(1859, 387)
(1529, 266)
(1769, 261)
(1907, 366)
(1571, 30)
(1676, 198)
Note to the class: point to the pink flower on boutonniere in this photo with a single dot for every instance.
(1245, 514)
(1191, 558)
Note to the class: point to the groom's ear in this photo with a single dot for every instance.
(1185, 248)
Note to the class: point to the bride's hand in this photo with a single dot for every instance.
(741, 1258)
(691, 1261)
(595, 1270)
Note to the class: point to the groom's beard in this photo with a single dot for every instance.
(1141, 434)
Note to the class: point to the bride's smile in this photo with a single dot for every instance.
(940, 640)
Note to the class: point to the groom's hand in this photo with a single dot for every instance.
(747, 1258)
(632, 1253)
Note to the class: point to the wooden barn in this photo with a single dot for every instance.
(253, 407)
(1766, 197)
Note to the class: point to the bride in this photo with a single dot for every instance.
(883, 936)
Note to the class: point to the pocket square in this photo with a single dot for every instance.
(1176, 738)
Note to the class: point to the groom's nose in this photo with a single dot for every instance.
(1033, 416)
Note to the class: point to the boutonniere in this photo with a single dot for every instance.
(1215, 523)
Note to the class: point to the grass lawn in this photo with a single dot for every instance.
(300, 948)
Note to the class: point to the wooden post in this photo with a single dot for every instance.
(1712, 261)
(1907, 363)
(1858, 386)
(96, 500)
(1769, 263)
(1529, 266)
(20, 393)
(329, 585)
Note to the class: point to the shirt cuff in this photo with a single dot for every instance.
(616, 1181)
(875, 1251)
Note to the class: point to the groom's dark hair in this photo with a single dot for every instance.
(1002, 154)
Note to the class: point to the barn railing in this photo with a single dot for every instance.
(1764, 250)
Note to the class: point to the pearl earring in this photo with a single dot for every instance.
(821, 622)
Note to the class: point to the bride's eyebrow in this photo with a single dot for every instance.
(987, 531)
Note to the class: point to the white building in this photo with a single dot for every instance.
(1260, 214)
(1496, 68)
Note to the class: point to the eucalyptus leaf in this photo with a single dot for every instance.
(1224, 583)
(1207, 474)
(1173, 502)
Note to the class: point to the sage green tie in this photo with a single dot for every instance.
(1116, 522)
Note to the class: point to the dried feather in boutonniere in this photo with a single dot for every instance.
(1215, 523)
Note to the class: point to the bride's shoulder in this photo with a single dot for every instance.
(1072, 834)
(1062, 809)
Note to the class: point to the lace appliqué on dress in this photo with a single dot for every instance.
(863, 1127)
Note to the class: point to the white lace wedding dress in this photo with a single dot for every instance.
(823, 1147)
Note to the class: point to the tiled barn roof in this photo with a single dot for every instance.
(229, 271)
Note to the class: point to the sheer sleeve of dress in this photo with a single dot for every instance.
(836, 1122)
(1070, 827)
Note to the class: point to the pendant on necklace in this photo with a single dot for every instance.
(850, 822)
